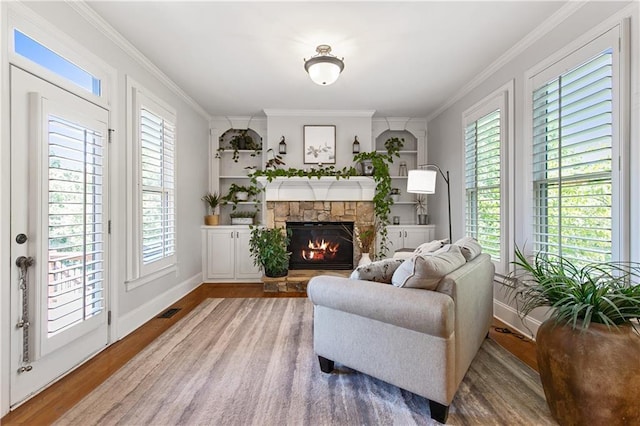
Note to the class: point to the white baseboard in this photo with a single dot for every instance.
(509, 316)
(134, 319)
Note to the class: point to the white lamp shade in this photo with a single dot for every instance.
(324, 73)
(422, 181)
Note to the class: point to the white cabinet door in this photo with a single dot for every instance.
(416, 235)
(395, 238)
(408, 236)
(245, 269)
(219, 263)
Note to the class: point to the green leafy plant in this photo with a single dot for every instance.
(243, 213)
(232, 195)
(268, 248)
(275, 160)
(271, 174)
(212, 200)
(381, 201)
(241, 140)
(597, 292)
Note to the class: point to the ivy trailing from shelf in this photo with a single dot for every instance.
(240, 141)
(382, 201)
(232, 197)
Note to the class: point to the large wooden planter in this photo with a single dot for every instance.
(590, 377)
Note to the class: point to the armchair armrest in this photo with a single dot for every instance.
(420, 310)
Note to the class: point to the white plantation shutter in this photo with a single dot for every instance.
(75, 218)
(573, 138)
(482, 182)
(157, 138)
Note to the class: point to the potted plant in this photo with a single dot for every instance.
(365, 235)
(243, 217)
(275, 160)
(240, 141)
(212, 200)
(395, 194)
(268, 247)
(238, 193)
(421, 209)
(588, 348)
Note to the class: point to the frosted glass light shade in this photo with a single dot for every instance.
(422, 181)
(324, 71)
(324, 68)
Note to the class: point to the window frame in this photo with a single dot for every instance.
(137, 272)
(573, 56)
(502, 99)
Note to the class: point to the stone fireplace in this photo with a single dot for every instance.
(320, 200)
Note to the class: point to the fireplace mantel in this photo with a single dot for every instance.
(327, 188)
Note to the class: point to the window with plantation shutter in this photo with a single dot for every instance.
(157, 136)
(574, 140)
(482, 182)
(485, 140)
(152, 201)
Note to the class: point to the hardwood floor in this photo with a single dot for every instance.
(50, 404)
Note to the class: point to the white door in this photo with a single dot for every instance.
(59, 232)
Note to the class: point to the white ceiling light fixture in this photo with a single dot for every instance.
(324, 68)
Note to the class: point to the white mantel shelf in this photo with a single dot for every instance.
(327, 188)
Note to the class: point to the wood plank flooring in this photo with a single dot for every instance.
(50, 404)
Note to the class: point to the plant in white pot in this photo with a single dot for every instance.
(588, 350)
(212, 200)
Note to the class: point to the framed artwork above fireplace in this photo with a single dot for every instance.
(319, 143)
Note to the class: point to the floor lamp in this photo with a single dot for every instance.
(423, 181)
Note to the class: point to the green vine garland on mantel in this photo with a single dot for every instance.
(329, 171)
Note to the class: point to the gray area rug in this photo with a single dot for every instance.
(251, 362)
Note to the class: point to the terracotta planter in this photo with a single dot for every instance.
(590, 377)
(212, 219)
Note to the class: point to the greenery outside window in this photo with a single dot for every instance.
(485, 139)
(153, 199)
(574, 140)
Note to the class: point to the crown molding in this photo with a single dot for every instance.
(540, 31)
(91, 16)
(318, 113)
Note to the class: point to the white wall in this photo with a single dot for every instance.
(130, 308)
(290, 123)
(446, 146)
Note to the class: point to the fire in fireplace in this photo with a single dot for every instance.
(321, 245)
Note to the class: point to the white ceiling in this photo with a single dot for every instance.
(402, 59)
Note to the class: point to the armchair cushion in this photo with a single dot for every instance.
(380, 271)
(426, 271)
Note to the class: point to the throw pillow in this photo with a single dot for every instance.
(380, 271)
(426, 271)
(469, 247)
(431, 246)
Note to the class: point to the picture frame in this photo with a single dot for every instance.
(319, 144)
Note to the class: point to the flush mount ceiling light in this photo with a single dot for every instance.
(324, 68)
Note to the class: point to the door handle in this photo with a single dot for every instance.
(24, 263)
